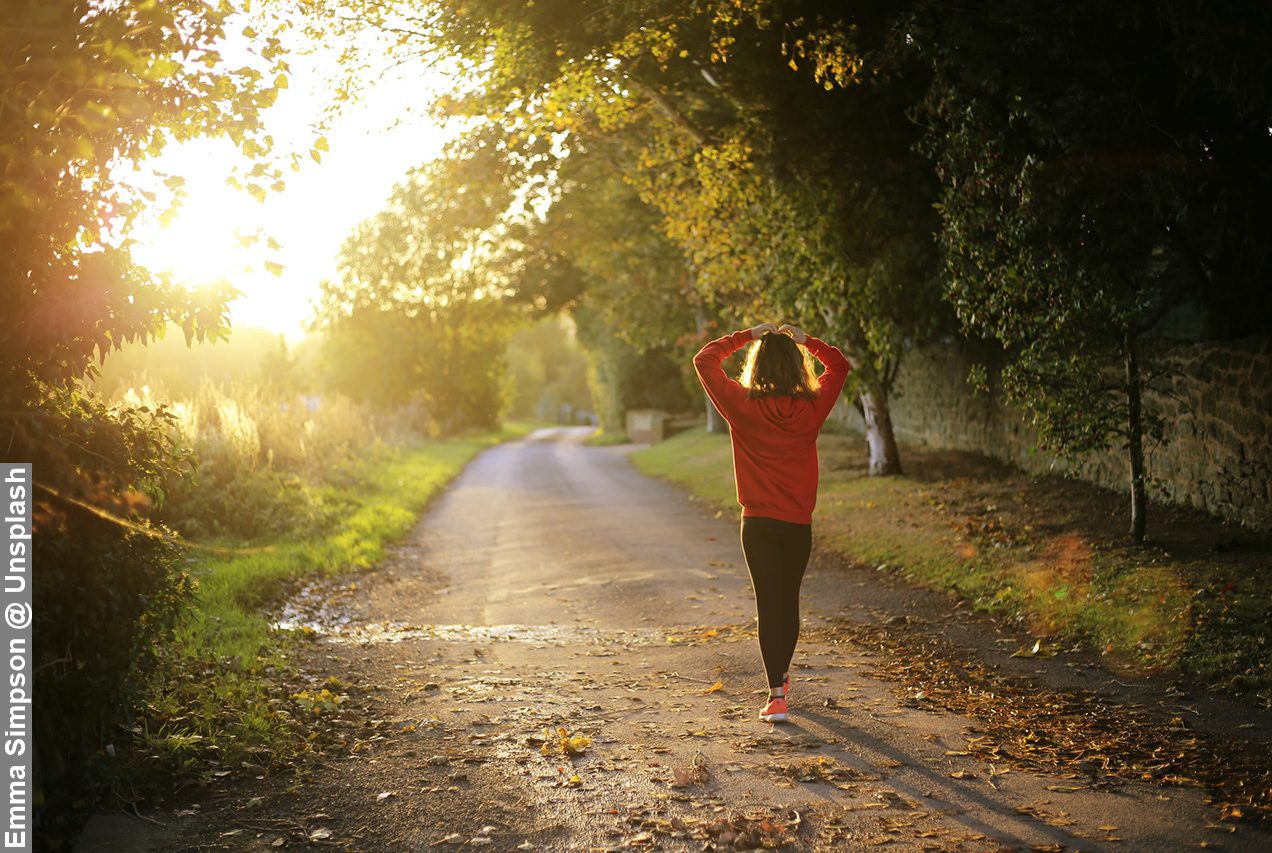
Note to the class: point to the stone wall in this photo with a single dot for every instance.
(1216, 401)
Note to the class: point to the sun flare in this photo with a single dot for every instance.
(209, 238)
(277, 250)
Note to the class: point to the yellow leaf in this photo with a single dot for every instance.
(715, 688)
(274, 267)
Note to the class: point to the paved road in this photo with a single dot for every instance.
(554, 587)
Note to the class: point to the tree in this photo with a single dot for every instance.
(422, 303)
(637, 309)
(86, 89)
(798, 194)
(547, 371)
(1101, 166)
(785, 190)
(89, 88)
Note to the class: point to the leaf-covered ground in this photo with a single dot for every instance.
(561, 656)
(1051, 554)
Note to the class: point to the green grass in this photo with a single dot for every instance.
(989, 534)
(385, 500)
(215, 700)
(605, 438)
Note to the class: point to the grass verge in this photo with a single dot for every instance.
(1048, 552)
(218, 705)
(605, 438)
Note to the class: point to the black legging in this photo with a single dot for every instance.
(776, 555)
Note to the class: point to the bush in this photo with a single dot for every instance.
(104, 602)
(264, 456)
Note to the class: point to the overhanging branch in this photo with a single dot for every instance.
(670, 110)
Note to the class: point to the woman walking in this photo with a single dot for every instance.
(775, 414)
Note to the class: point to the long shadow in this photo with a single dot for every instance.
(956, 797)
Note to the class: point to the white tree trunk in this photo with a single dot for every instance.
(884, 457)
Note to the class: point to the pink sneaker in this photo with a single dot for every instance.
(774, 711)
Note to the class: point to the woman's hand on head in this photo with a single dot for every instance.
(759, 331)
(794, 331)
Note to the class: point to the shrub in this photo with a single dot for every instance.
(263, 456)
(104, 601)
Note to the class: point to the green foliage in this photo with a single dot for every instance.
(104, 604)
(266, 460)
(623, 377)
(635, 281)
(422, 309)
(86, 89)
(445, 365)
(1098, 171)
(786, 194)
(216, 701)
(546, 371)
(637, 311)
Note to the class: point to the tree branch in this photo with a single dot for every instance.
(668, 109)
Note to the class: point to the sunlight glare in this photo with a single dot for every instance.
(224, 234)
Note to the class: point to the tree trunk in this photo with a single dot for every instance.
(1135, 440)
(884, 457)
(716, 424)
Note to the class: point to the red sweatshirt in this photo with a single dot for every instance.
(774, 438)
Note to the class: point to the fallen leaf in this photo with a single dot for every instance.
(715, 688)
(453, 838)
(695, 774)
(1023, 653)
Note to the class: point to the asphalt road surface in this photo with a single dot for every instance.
(552, 589)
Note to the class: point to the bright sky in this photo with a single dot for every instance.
(372, 145)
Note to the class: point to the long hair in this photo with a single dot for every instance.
(777, 366)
